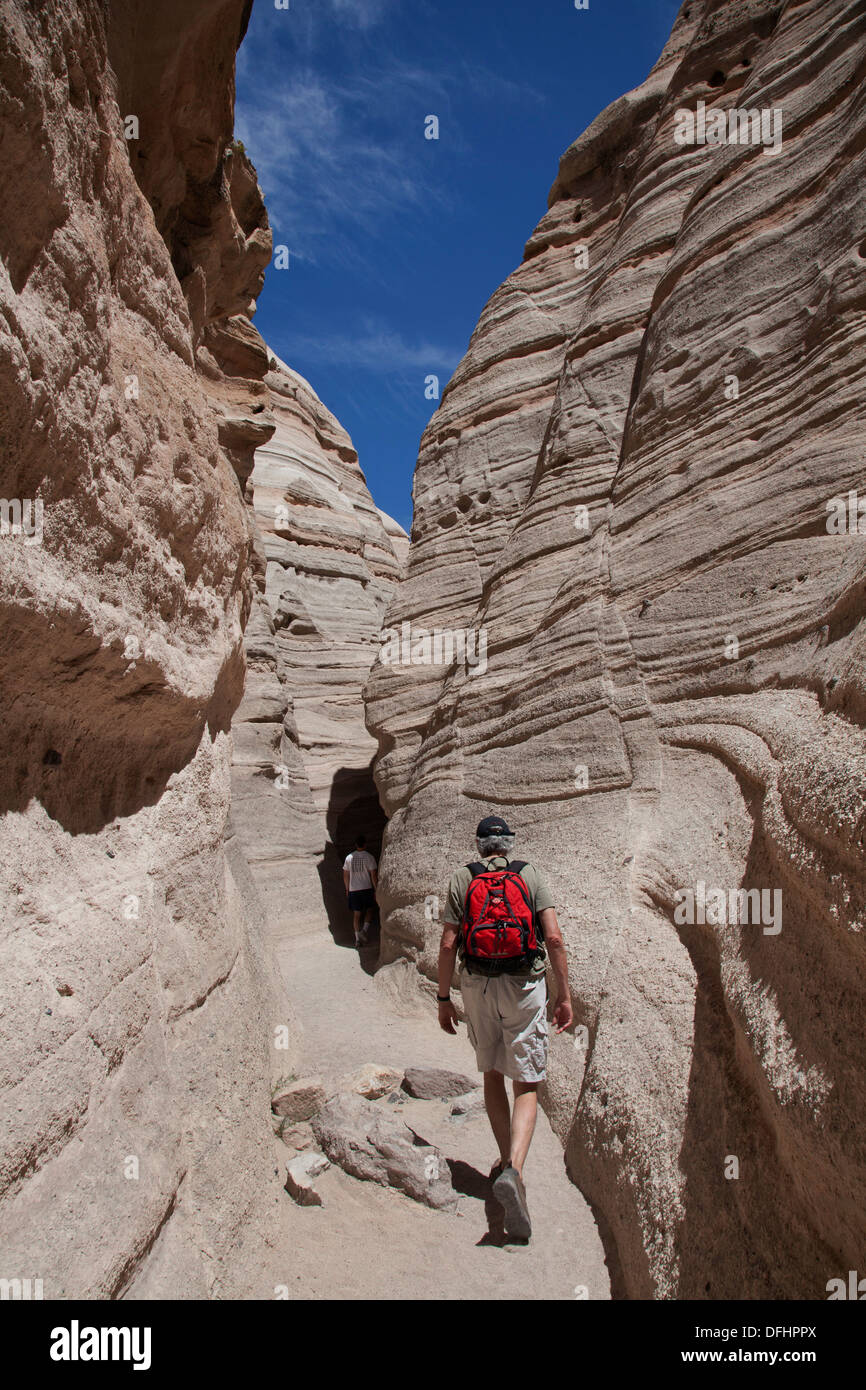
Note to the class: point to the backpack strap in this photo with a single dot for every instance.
(514, 867)
(475, 868)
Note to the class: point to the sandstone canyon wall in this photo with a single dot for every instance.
(674, 689)
(137, 999)
(303, 785)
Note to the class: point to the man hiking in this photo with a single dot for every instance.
(361, 879)
(500, 916)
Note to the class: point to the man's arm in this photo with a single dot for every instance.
(447, 960)
(563, 1015)
(346, 878)
(374, 878)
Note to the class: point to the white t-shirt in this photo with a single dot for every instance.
(359, 865)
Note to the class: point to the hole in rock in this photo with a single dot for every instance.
(52, 758)
(765, 26)
(717, 79)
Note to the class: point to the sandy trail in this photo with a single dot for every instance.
(373, 1242)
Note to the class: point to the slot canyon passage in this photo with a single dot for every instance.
(625, 489)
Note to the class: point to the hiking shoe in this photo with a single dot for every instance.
(510, 1193)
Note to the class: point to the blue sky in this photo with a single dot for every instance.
(395, 241)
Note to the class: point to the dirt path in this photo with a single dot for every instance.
(368, 1241)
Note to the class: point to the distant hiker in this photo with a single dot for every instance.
(500, 916)
(361, 879)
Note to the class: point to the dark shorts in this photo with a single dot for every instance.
(364, 898)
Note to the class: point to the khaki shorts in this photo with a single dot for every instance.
(506, 1019)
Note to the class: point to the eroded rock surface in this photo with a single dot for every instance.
(137, 1000)
(673, 689)
(303, 785)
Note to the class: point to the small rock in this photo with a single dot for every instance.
(468, 1104)
(300, 1172)
(372, 1081)
(301, 1099)
(431, 1083)
(316, 1163)
(296, 1136)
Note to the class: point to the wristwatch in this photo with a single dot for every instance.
(446, 999)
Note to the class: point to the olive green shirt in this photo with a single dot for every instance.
(539, 896)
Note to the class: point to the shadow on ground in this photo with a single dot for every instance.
(469, 1182)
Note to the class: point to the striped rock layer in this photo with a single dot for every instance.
(302, 780)
(624, 496)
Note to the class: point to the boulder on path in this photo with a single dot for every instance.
(300, 1172)
(432, 1083)
(371, 1143)
(300, 1099)
(372, 1081)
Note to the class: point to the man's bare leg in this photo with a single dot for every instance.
(498, 1112)
(356, 923)
(522, 1121)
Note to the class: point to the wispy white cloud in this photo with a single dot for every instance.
(362, 14)
(339, 147)
(375, 347)
(326, 174)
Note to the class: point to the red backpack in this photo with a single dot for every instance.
(498, 934)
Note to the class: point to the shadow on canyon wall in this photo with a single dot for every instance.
(94, 732)
(353, 809)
